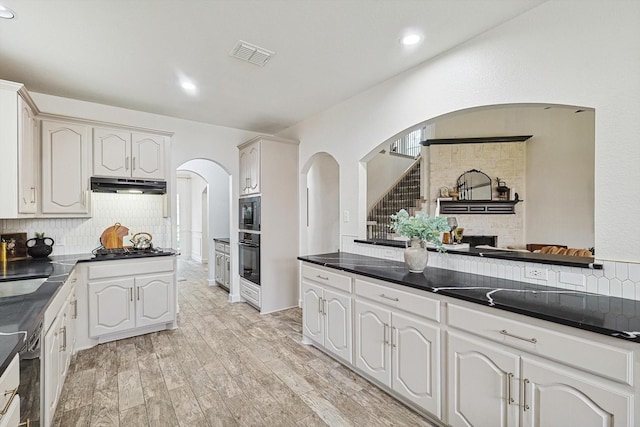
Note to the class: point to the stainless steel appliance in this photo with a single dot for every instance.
(249, 255)
(127, 185)
(249, 210)
(117, 253)
(30, 377)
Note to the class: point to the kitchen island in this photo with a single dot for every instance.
(466, 349)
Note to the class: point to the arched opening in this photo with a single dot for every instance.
(322, 204)
(203, 205)
(552, 172)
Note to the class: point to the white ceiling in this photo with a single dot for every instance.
(131, 53)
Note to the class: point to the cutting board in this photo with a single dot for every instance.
(111, 237)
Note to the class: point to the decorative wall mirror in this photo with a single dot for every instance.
(474, 185)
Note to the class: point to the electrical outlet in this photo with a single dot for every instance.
(536, 273)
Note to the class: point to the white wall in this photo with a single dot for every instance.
(323, 182)
(560, 52)
(183, 189)
(383, 171)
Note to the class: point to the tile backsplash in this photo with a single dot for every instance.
(137, 212)
(617, 279)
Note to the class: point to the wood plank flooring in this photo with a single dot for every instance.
(226, 365)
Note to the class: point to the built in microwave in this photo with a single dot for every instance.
(249, 211)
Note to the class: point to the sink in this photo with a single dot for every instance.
(20, 287)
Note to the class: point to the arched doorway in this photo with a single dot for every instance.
(203, 205)
(323, 204)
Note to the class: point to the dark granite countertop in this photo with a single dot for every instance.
(22, 313)
(511, 255)
(616, 317)
(222, 240)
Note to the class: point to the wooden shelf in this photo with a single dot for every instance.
(478, 207)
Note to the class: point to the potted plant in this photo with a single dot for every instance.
(419, 228)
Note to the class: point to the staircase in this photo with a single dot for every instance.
(403, 194)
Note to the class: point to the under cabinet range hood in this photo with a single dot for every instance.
(127, 186)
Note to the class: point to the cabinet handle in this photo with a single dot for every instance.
(389, 298)
(75, 309)
(509, 396)
(131, 294)
(321, 277)
(13, 394)
(393, 334)
(531, 340)
(386, 330)
(325, 305)
(63, 331)
(524, 395)
(133, 163)
(33, 195)
(126, 163)
(138, 294)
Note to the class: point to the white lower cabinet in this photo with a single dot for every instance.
(401, 351)
(327, 318)
(58, 343)
(483, 384)
(120, 304)
(9, 397)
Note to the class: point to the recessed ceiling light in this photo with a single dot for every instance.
(411, 39)
(189, 86)
(6, 13)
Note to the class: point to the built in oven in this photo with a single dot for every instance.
(249, 255)
(249, 210)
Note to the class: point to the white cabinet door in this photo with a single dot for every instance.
(52, 378)
(312, 318)
(154, 299)
(337, 333)
(373, 354)
(111, 152)
(249, 176)
(65, 171)
(28, 159)
(416, 361)
(147, 152)
(553, 398)
(483, 384)
(226, 261)
(111, 306)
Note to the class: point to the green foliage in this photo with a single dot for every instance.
(39, 235)
(421, 226)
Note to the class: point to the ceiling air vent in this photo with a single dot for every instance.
(251, 53)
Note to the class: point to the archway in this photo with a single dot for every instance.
(203, 204)
(322, 204)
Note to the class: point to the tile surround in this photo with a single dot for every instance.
(616, 279)
(81, 235)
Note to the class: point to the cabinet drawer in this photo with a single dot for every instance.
(219, 247)
(599, 358)
(9, 383)
(250, 292)
(326, 277)
(420, 305)
(103, 269)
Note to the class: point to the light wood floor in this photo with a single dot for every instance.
(226, 365)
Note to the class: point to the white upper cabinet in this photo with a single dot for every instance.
(123, 154)
(28, 159)
(250, 169)
(19, 147)
(65, 168)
